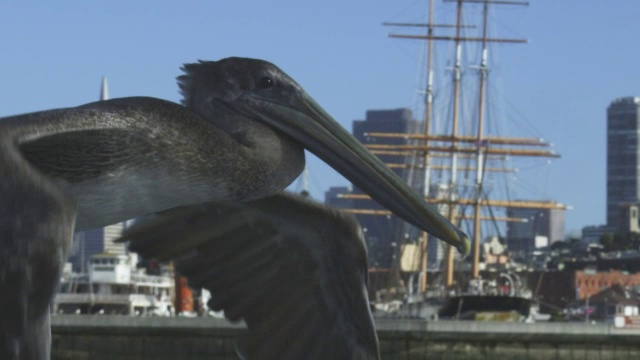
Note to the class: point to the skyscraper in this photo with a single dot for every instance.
(623, 160)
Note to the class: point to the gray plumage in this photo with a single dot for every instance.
(240, 137)
(293, 270)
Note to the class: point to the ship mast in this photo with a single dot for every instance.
(457, 74)
(453, 149)
(480, 155)
(455, 146)
(428, 111)
(483, 69)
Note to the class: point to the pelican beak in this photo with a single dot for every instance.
(305, 121)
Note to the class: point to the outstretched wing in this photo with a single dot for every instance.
(295, 271)
(106, 153)
(40, 155)
(36, 227)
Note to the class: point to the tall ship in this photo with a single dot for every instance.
(456, 158)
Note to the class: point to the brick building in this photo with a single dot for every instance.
(557, 289)
(589, 283)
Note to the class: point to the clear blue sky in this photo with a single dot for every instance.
(582, 54)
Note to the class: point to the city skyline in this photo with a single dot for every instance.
(579, 59)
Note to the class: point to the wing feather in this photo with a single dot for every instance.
(295, 271)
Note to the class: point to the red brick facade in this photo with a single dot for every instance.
(590, 283)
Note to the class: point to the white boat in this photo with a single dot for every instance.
(114, 285)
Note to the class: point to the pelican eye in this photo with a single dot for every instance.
(266, 82)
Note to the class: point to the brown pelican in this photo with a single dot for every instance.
(295, 271)
(239, 136)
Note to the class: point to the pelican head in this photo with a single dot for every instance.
(262, 92)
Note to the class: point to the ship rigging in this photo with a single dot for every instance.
(457, 157)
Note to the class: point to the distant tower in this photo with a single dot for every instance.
(104, 89)
(623, 156)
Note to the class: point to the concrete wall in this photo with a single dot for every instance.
(121, 337)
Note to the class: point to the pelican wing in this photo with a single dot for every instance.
(106, 153)
(36, 227)
(42, 155)
(295, 271)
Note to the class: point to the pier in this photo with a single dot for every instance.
(78, 337)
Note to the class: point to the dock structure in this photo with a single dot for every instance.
(123, 337)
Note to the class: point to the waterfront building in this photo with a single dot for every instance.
(589, 282)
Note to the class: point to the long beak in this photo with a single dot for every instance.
(317, 131)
